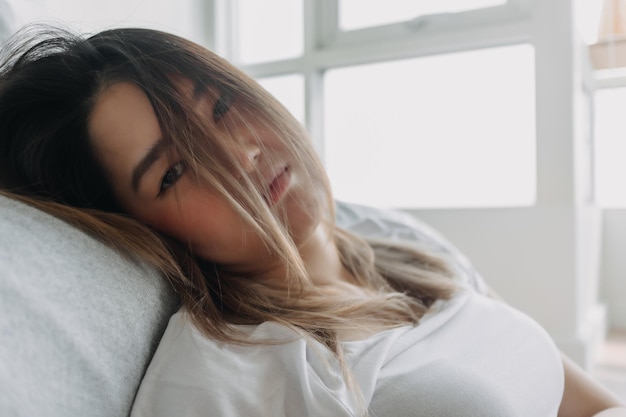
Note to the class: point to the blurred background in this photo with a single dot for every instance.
(499, 122)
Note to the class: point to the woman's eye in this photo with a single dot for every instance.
(172, 175)
(222, 105)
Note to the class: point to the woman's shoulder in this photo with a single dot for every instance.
(185, 350)
(198, 373)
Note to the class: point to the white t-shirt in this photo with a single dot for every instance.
(469, 356)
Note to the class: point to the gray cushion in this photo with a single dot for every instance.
(78, 322)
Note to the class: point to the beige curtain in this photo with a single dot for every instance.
(610, 50)
(613, 20)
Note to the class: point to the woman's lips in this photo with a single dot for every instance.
(278, 186)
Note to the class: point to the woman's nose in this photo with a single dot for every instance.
(247, 154)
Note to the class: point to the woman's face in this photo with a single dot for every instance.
(159, 191)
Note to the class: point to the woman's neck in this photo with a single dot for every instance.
(322, 261)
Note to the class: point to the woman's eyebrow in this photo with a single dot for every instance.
(146, 162)
(199, 90)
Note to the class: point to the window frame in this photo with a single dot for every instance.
(423, 24)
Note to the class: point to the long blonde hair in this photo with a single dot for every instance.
(48, 87)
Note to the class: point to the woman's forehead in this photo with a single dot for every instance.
(122, 125)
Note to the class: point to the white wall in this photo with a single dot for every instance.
(182, 17)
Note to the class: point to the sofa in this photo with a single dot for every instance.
(79, 322)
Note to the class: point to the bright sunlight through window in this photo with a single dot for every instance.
(441, 131)
(610, 147)
(289, 90)
(269, 30)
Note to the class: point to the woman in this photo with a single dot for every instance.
(172, 155)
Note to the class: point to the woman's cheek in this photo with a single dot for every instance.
(189, 218)
(166, 220)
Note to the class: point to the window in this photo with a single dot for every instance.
(431, 106)
(601, 26)
(610, 147)
(289, 90)
(268, 30)
(448, 129)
